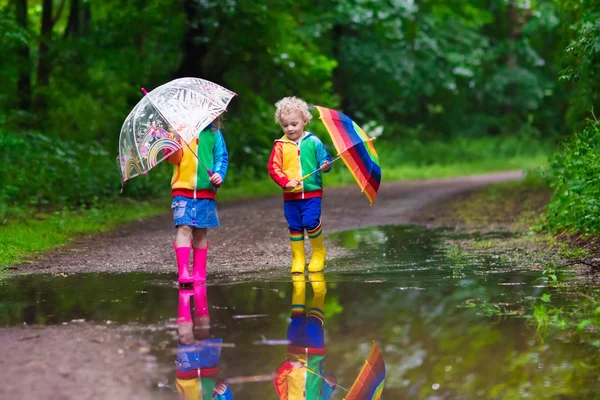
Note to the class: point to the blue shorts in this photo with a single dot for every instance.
(203, 354)
(198, 213)
(303, 214)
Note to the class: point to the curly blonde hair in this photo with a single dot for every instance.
(291, 104)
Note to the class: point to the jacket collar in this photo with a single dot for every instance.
(286, 139)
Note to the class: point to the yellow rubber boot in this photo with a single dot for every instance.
(298, 294)
(317, 261)
(298, 259)
(319, 286)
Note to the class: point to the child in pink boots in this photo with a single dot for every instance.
(198, 354)
(194, 206)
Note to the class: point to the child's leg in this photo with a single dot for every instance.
(293, 216)
(182, 251)
(311, 219)
(184, 236)
(200, 244)
(200, 236)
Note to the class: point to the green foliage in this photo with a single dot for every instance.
(574, 174)
(579, 317)
(581, 58)
(40, 172)
(453, 66)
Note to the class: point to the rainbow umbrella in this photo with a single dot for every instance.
(369, 383)
(355, 148)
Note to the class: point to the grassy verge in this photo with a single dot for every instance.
(25, 237)
(518, 204)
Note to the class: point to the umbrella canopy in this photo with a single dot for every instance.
(166, 118)
(355, 148)
(370, 381)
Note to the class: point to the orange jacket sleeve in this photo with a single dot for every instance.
(276, 166)
(280, 381)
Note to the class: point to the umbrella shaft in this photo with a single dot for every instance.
(318, 169)
(316, 373)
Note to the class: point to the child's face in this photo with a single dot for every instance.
(293, 125)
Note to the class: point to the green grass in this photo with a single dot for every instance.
(23, 237)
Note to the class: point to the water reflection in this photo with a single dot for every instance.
(198, 353)
(302, 374)
(398, 286)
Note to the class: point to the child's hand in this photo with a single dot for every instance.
(326, 166)
(292, 184)
(331, 380)
(296, 364)
(220, 386)
(216, 180)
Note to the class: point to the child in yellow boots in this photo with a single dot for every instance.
(302, 375)
(297, 153)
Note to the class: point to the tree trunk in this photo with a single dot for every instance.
(43, 70)
(517, 19)
(86, 18)
(74, 23)
(23, 60)
(338, 73)
(194, 49)
(513, 28)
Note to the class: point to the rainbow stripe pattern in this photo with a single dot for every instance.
(317, 313)
(355, 148)
(132, 168)
(298, 309)
(157, 146)
(296, 236)
(315, 233)
(370, 381)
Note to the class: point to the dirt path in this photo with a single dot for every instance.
(84, 360)
(253, 235)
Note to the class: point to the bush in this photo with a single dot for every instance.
(574, 174)
(38, 171)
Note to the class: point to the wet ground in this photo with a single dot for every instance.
(400, 286)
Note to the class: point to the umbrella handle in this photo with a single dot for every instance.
(317, 170)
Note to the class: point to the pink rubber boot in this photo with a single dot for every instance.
(199, 267)
(201, 317)
(184, 312)
(200, 301)
(183, 264)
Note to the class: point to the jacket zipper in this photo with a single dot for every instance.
(300, 162)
